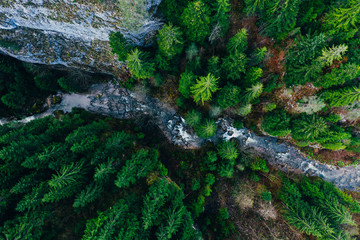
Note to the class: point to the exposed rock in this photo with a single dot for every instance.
(118, 102)
(71, 33)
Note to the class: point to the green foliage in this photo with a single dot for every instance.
(308, 128)
(228, 96)
(314, 207)
(342, 97)
(69, 84)
(270, 107)
(266, 196)
(192, 51)
(204, 88)
(187, 79)
(282, 18)
(139, 64)
(13, 100)
(339, 76)
(196, 21)
(259, 164)
(170, 41)
(332, 54)
(238, 43)
(228, 151)
(260, 54)
(253, 75)
(193, 118)
(221, 18)
(343, 20)
(88, 195)
(253, 92)
(207, 129)
(244, 110)
(140, 164)
(119, 45)
(234, 65)
(214, 66)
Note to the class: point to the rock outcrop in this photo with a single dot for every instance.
(73, 33)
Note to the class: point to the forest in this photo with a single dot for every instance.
(283, 68)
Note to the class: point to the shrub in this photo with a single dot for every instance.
(259, 164)
(270, 107)
(266, 196)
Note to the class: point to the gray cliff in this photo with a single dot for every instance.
(73, 33)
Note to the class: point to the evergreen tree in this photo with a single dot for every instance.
(228, 151)
(238, 43)
(277, 124)
(308, 128)
(170, 41)
(140, 164)
(139, 64)
(339, 76)
(187, 79)
(104, 171)
(234, 65)
(253, 92)
(204, 88)
(88, 195)
(328, 56)
(207, 129)
(342, 97)
(119, 45)
(193, 118)
(196, 21)
(228, 96)
(343, 20)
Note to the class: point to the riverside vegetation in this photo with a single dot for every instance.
(287, 68)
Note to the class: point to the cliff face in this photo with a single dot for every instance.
(74, 33)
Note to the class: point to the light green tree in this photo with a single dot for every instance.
(139, 64)
(204, 88)
(170, 41)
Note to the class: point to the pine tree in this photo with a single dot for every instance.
(342, 97)
(334, 53)
(139, 64)
(193, 118)
(104, 171)
(196, 21)
(253, 92)
(119, 45)
(170, 41)
(339, 76)
(308, 128)
(207, 129)
(238, 43)
(204, 88)
(153, 201)
(234, 65)
(88, 195)
(187, 79)
(140, 164)
(228, 96)
(343, 20)
(227, 150)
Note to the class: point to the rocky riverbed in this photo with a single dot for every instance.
(118, 102)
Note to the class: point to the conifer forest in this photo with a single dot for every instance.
(168, 151)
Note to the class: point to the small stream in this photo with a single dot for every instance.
(118, 102)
